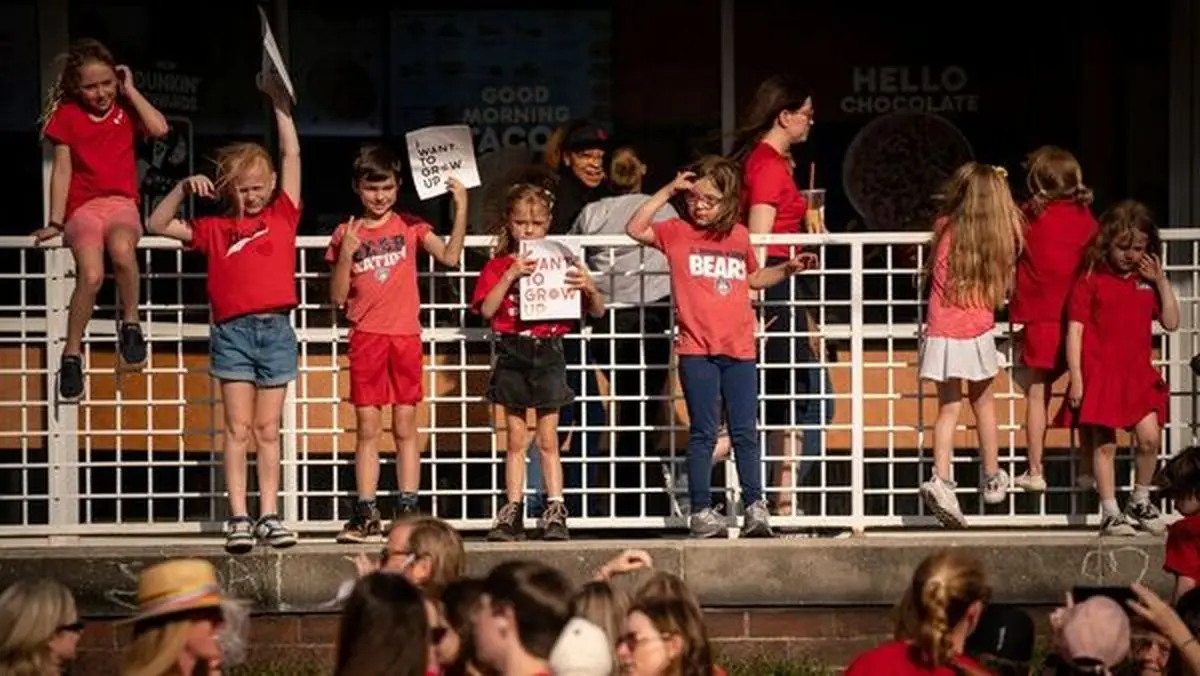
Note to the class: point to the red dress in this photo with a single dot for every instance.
(1055, 243)
(1120, 384)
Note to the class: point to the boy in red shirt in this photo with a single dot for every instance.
(1179, 480)
(375, 281)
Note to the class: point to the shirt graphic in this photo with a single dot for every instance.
(239, 238)
(379, 256)
(722, 267)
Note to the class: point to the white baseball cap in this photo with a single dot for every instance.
(582, 649)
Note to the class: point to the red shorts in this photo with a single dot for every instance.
(385, 370)
(1043, 347)
(90, 224)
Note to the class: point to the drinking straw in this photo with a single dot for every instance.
(812, 175)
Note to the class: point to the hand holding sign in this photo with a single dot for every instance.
(439, 153)
(552, 290)
(578, 277)
(272, 60)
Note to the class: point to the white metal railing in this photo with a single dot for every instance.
(140, 454)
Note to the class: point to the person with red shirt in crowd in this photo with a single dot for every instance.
(530, 370)
(976, 240)
(93, 116)
(1060, 227)
(375, 280)
(713, 269)
(779, 117)
(940, 609)
(1179, 481)
(251, 252)
(1114, 383)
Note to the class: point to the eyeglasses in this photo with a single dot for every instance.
(437, 635)
(75, 627)
(706, 201)
(631, 640)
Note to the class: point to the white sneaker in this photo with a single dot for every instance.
(1118, 525)
(941, 501)
(995, 487)
(1031, 483)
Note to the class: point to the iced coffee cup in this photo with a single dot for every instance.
(814, 218)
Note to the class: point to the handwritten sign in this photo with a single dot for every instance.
(545, 294)
(437, 153)
(272, 60)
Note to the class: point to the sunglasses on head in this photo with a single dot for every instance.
(75, 627)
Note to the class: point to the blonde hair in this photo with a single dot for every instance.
(155, 647)
(233, 161)
(432, 537)
(943, 588)
(1120, 220)
(520, 193)
(665, 584)
(1055, 174)
(66, 85)
(31, 612)
(604, 606)
(987, 232)
(625, 172)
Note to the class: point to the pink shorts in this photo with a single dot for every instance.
(90, 224)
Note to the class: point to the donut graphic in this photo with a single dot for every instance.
(897, 163)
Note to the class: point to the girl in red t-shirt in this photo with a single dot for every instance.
(1060, 227)
(251, 255)
(713, 269)
(1114, 383)
(530, 370)
(93, 115)
(975, 244)
(940, 608)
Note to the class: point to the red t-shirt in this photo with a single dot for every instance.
(1055, 243)
(1117, 313)
(897, 659)
(383, 276)
(944, 319)
(1183, 548)
(709, 282)
(507, 319)
(251, 260)
(102, 155)
(768, 178)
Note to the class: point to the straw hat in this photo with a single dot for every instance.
(176, 586)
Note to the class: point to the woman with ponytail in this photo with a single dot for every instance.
(939, 611)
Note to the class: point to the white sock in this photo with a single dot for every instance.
(1110, 508)
(554, 499)
(1140, 494)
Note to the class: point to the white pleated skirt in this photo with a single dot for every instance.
(972, 359)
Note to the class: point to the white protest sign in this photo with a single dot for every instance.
(545, 294)
(437, 153)
(272, 60)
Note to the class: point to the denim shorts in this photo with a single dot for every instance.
(259, 349)
(529, 373)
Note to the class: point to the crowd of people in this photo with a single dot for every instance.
(1085, 291)
(412, 612)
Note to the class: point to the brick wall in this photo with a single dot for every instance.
(304, 644)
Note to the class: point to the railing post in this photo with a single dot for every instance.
(62, 419)
(857, 410)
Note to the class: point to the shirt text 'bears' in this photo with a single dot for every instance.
(722, 267)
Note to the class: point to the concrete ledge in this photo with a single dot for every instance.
(1031, 569)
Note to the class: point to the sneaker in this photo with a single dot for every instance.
(707, 523)
(239, 535)
(366, 523)
(271, 530)
(755, 522)
(510, 524)
(554, 522)
(1031, 483)
(70, 378)
(941, 501)
(406, 508)
(1145, 516)
(1117, 525)
(995, 487)
(131, 345)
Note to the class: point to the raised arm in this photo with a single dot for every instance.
(640, 226)
(289, 140)
(1152, 270)
(152, 121)
(164, 220)
(339, 283)
(449, 253)
(520, 267)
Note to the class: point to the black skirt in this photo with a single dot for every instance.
(529, 373)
